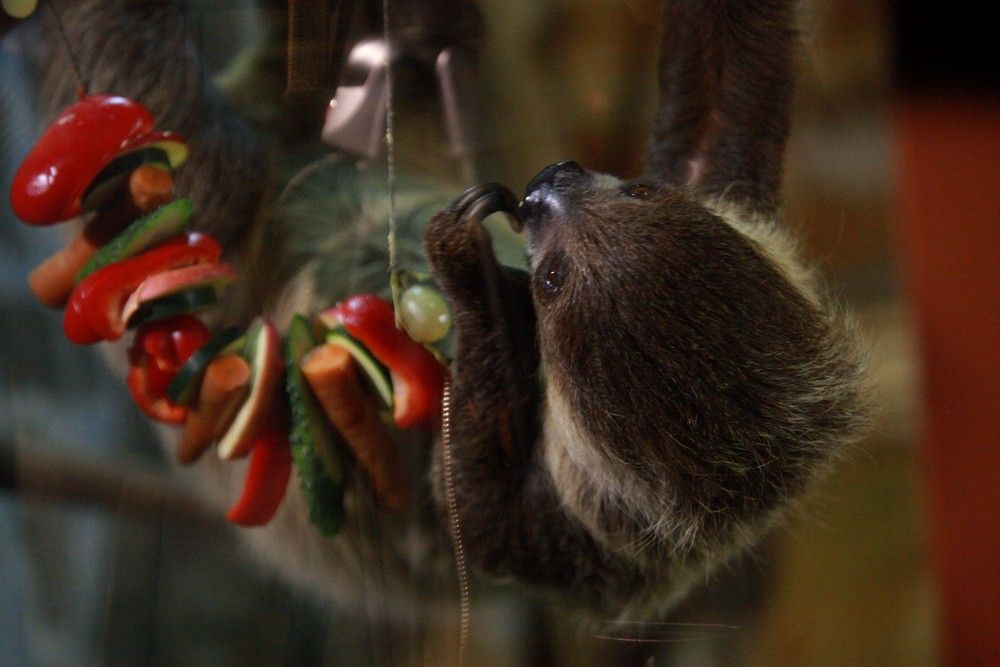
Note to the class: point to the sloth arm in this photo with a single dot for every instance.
(726, 80)
(510, 514)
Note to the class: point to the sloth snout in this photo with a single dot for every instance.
(544, 193)
(555, 175)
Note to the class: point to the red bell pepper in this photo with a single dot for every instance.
(86, 137)
(267, 476)
(417, 376)
(94, 310)
(159, 351)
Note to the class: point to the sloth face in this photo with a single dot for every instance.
(669, 332)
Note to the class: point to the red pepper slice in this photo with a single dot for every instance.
(72, 151)
(159, 351)
(417, 376)
(94, 310)
(267, 476)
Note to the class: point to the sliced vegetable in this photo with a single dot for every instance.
(263, 351)
(185, 386)
(158, 352)
(94, 310)
(330, 372)
(52, 281)
(170, 143)
(163, 223)
(225, 386)
(172, 281)
(315, 447)
(417, 376)
(110, 180)
(151, 186)
(377, 374)
(49, 185)
(267, 476)
(181, 303)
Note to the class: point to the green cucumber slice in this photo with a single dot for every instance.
(165, 222)
(186, 384)
(315, 444)
(174, 148)
(179, 303)
(115, 173)
(376, 373)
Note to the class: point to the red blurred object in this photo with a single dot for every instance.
(95, 308)
(267, 476)
(72, 151)
(159, 351)
(950, 206)
(417, 377)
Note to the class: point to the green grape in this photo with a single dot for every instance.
(20, 9)
(424, 314)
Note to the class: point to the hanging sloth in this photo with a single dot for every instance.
(657, 389)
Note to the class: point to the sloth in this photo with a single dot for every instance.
(695, 382)
(659, 387)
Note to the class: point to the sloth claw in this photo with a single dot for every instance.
(480, 201)
(455, 239)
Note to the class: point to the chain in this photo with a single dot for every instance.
(455, 528)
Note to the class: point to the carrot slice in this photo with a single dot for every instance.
(52, 281)
(332, 376)
(150, 187)
(223, 389)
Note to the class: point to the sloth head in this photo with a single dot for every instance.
(677, 334)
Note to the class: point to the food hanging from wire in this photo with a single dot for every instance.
(135, 269)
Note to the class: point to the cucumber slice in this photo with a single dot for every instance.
(262, 350)
(179, 303)
(315, 444)
(115, 173)
(175, 148)
(184, 387)
(165, 222)
(377, 374)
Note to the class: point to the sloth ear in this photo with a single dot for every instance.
(725, 77)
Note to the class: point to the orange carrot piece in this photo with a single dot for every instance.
(150, 187)
(52, 280)
(223, 389)
(331, 374)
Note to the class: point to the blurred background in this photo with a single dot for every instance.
(891, 185)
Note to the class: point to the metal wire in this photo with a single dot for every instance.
(454, 525)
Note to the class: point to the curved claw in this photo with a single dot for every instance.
(480, 201)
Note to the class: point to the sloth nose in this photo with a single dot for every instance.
(542, 189)
(547, 176)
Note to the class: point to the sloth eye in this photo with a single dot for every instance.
(550, 276)
(639, 191)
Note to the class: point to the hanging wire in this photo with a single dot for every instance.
(395, 277)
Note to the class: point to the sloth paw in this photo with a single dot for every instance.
(457, 245)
